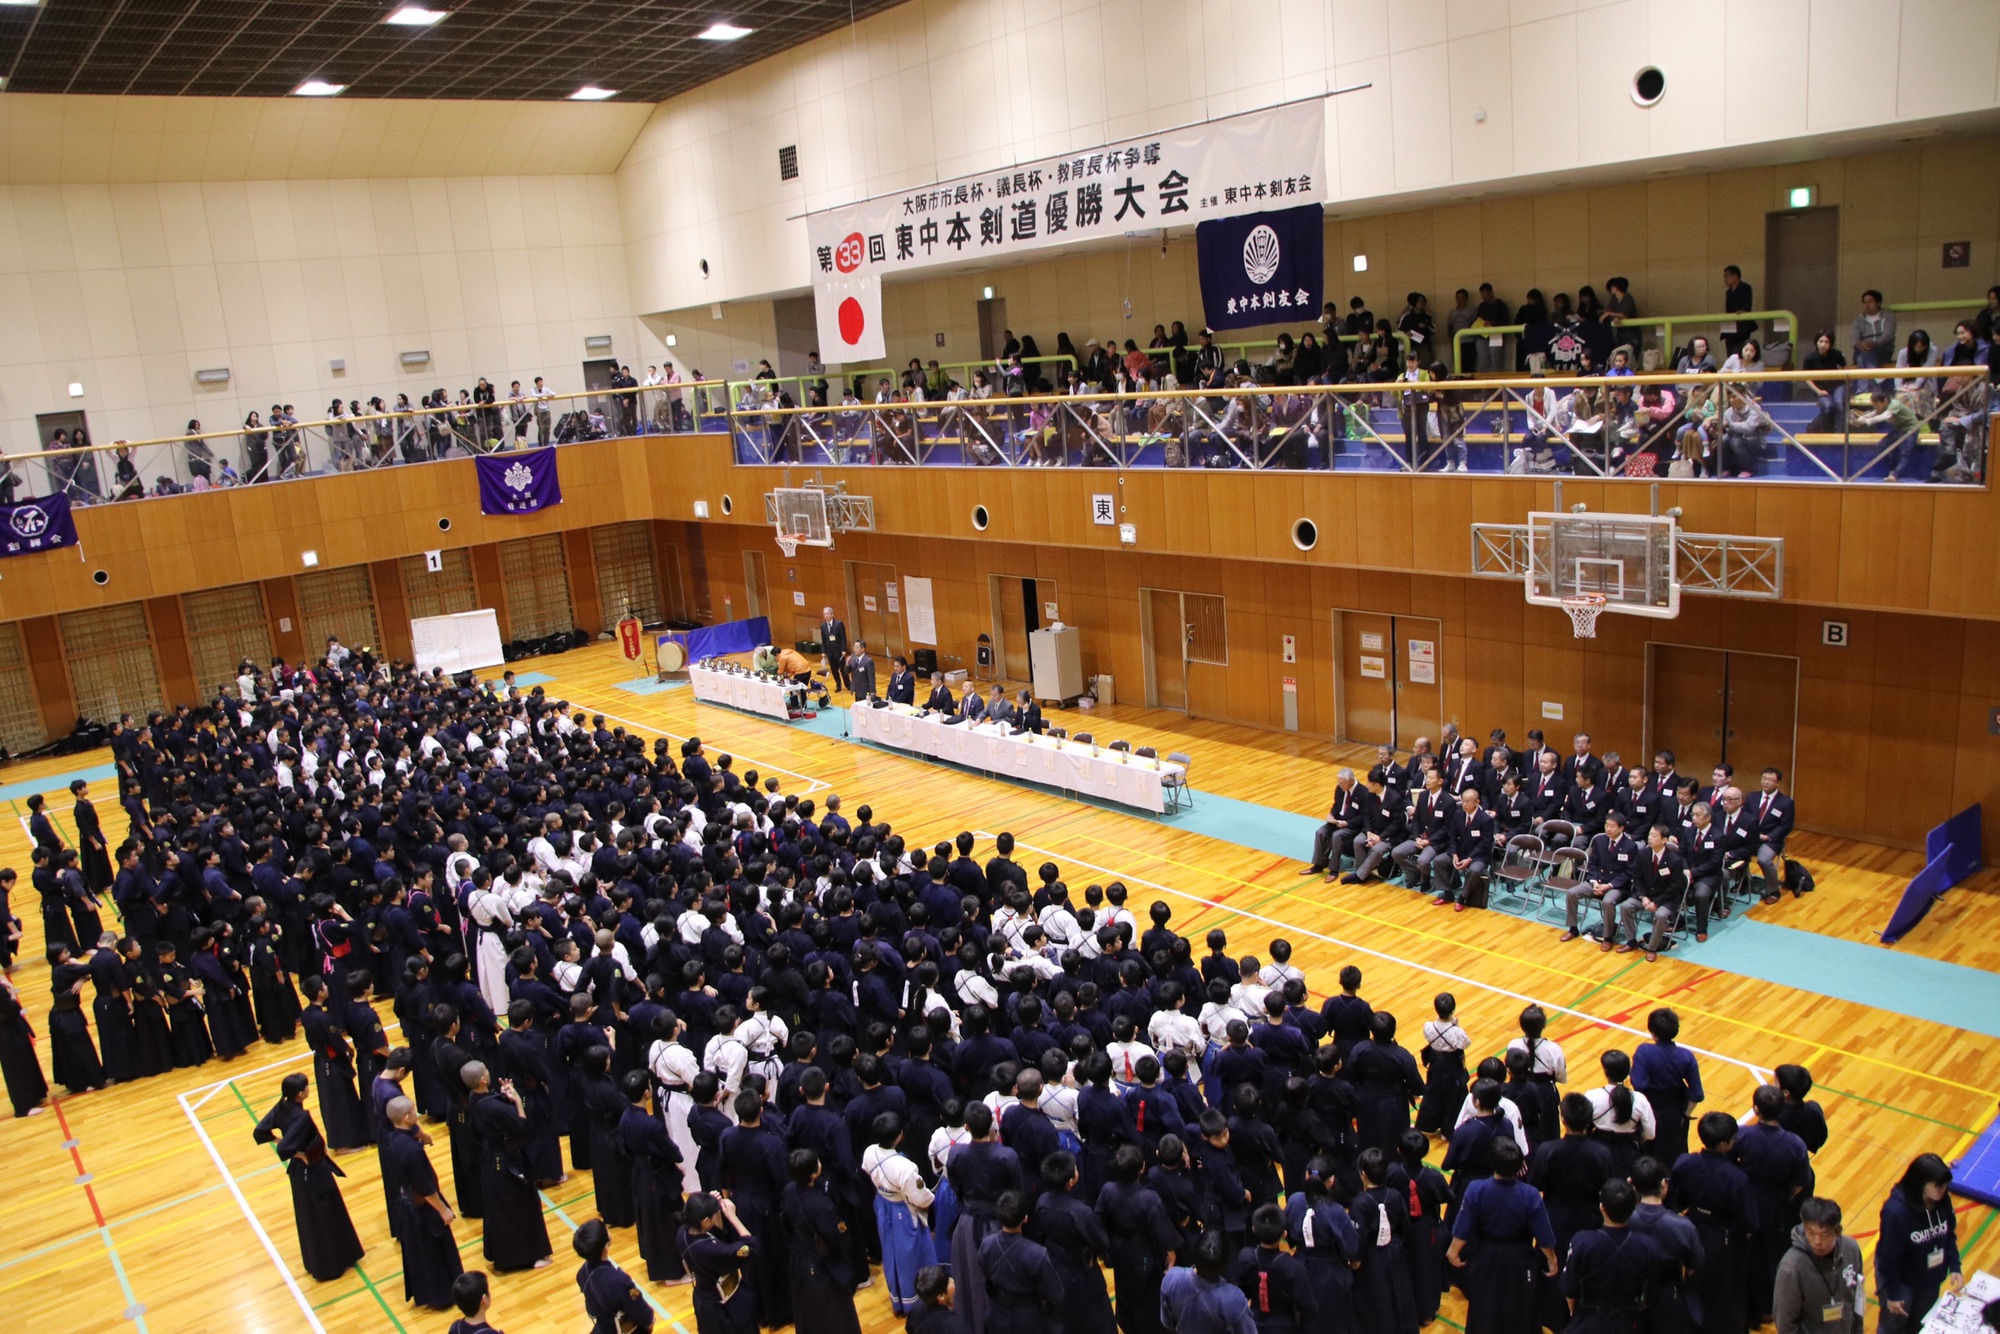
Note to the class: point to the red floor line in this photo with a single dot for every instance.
(76, 1156)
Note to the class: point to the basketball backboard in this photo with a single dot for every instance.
(1627, 559)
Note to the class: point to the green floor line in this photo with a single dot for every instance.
(380, 1300)
(1892, 1107)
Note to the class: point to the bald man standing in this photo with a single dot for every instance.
(833, 643)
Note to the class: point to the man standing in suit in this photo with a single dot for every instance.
(1771, 815)
(1346, 820)
(861, 671)
(833, 643)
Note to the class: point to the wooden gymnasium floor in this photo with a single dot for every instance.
(135, 1205)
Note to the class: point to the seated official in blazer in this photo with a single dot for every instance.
(1738, 832)
(1429, 834)
(1771, 814)
(940, 700)
(1586, 807)
(1512, 812)
(998, 710)
(1582, 761)
(1680, 814)
(1346, 821)
(1663, 780)
(1547, 792)
(1384, 831)
(1658, 887)
(902, 682)
(1613, 779)
(972, 708)
(1607, 876)
(1463, 770)
(1701, 849)
(1459, 877)
(1497, 747)
(1722, 777)
(1636, 801)
(1027, 714)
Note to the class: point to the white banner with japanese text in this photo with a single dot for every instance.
(1239, 164)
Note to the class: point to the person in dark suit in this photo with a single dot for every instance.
(1771, 815)
(1430, 831)
(1659, 886)
(1607, 876)
(1637, 801)
(860, 671)
(1028, 714)
(998, 710)
(1701, 850)
(1736, 829)
(1546, 790)
(902, 682)
(1384, 830)
(1720, 779)
(1582, 761)
(972, 708)
(1664, 781)
(833, 643)
(1586, 807)
(1460, 877)
(1346, 822)
(940, 700)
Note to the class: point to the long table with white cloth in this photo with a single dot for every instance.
(753, 694)
(1128, 780)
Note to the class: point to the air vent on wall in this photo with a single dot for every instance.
(788, 162)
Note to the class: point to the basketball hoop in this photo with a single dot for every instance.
(788, 543)
(1584, 609)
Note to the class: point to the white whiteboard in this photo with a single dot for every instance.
(919, 615)
(456, 643)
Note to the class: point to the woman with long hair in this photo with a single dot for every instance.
(327, 1240)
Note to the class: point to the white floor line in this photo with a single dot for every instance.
(250, 1217)
(208, 1091)
(1756, 1071)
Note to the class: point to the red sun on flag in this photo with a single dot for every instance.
(853, 321)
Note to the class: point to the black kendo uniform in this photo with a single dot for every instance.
(327, 1240)
(1712, 1191)
(526, 1060)
(1570, 1172)
(74, 1058)
(754, 1171)
(612, 1300)
(1502, 1224)
(725, 1284)
(656, 1190)
(187, 1029)
(333, 1073)
(430, 1255)
(980, 1172)
(451, 1060)
(516, 1233)
(1386, 1082)
(821, 1273)
(380, 1094)
(26, 1087)
(1140, 1235)
(117, 1036)
(1281, 1296)
(1609, 1275)
(1023, 1293)
(1324, 1237)
(1382, 1300)
(1077, 1245)
(1667, 1306)
(610, 1169)
(1778, 1166)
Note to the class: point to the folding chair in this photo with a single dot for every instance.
(1179, 794)
(1084, 738)
(1565, 872)
(1059, 733)
(1125, 746)
(1521, 865)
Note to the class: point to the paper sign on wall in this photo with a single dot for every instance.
(1291, 685)
(1104, 510)
(919, 618)
(434, 561)
(1423, 673)
(1422, 650)
(1291, 649)
(1373, 642)
(1552, 710)
(1372, 666)
(798, 599)
(889, 591)
(867, 603)
(1049, 611)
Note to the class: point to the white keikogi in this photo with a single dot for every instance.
(675, 1067)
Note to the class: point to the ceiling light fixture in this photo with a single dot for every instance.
(590, 92)
(723, 32)
(416, 16)
(319, 88)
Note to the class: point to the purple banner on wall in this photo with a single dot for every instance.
(36, 525)
(518, 483)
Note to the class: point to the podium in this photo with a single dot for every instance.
(1055, 662)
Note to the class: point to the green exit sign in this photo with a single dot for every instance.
(1802, 196)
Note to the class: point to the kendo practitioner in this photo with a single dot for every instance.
(1611, 1269)
(1078, 1247)
(27, 1088)
(1386, 1085)
(56, 928)
(1713, 1192)
(73, 1056)
(451, 1060)
(1667, 1307)
(93, 853)
(933, 1313)
(604, 1104)
(1281, 1296)
(187, 1026)
(117, 1035)
(1570, 1172)
(980, 1172)
(473, 1297)
(1200, 1299)
(275, 1002)
(1381, 1214)
(656, 1181)
(818, 1250)
(721, 1258)
(149, 1010)
(230, 1026)
(385, 1089)
(333, 1073)
(1500, 1227)
(525, 1058)
(610, 1298)
(754, 1171)
(517, 1236)
(430, 1255)
(371, 1045)
(85, 909)
(1324, 1238)
(1142, 1240)
(1780, 1169)
(327, 1240)
(1023, 1293)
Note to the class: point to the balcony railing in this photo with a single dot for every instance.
(1772, 426)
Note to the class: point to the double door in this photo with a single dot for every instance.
(1711, 707)
(1186, 642)
(1389, 683)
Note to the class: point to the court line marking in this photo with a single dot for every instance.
(1642, 997)
(249, 1216)
(1757, 1071)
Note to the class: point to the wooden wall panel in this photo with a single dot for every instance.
(492, 587)
(392, 608)
(52, 688)
(580, 558)
(170, 650)
(281, 604)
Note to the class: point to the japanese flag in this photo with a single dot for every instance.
(850, 318)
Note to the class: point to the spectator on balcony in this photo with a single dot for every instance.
(1284, 359)
(1310, 361)
(1459, 318)
(1747, 357)
(1534, 310)
(1832, 393)
(1562, 313)
(1736, 296)
(382, 431)
(1621, 362)
(1744, 426)
(1589, 310)
(1619, 305)
(1490, 313)
(1987, 323)
(1872, 337)
(1010, 346)
(285, 440)
(1651, 435)
(126, 484)
(1034, 372)
(1918, 351)
(1695, 359)
(1416, 324)
(1208, 361)
(62, 468)
(256, 449)
(519, 413)
(1360, 319)
(486, 419)
(1177, 338)
(1414, 407)
(404, 425)
(200, 458)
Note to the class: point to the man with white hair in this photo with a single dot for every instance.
(833, 643)
(1346, 821)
